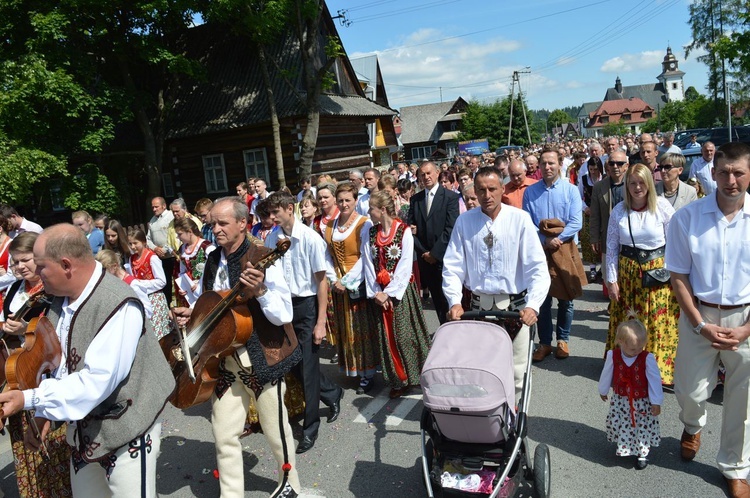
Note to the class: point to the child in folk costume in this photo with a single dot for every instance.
(387, 262)
(146, 267)
(637, 396)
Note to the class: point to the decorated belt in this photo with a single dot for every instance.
(641, 254)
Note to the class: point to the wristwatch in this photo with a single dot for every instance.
(697, 329)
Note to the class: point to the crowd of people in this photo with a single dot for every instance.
(478, 232)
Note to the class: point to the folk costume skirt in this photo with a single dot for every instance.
(656, 307)
(37, 477)
(405, 342)
(632, 440)
(356, 327)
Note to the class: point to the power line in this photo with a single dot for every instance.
(403, 11)
(495, 28)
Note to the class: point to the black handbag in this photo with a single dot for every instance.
(358, 294)
(655, 277)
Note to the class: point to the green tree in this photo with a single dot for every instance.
(92, 65)
(22, 169)
(650, 126)
(615, 128)
(720, 28)
(492, 121)
(557, 118)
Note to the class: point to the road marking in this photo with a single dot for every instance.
(403, 408)
(371, 409)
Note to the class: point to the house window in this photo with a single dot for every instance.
(56, 195)
(626, 117)
(674, 86)
(256, 164)
(646, 114)
(215, 173)
(422, 152)
(605, 119)
(166, 182)
(454, 126)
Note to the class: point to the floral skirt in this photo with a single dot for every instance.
(403, 353)
(330, 314)
(584, 236)
(632, 440)
(37, 477)
(160, 318)
(356, 328)
(656, 307)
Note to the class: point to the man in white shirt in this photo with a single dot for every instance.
(707, 255)
(496, 253)
(305, 184)
(702, 168)
(304, 267)
(157, 239)
(371, 178)
(357, 179)
(112, 382)
(19, 223)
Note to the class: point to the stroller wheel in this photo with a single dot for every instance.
(542, 477)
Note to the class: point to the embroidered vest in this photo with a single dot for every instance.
(630, 381)
(132, 408)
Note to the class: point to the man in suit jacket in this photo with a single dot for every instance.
(432, 213)
(605, 196)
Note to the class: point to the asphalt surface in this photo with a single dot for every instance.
(373, 449)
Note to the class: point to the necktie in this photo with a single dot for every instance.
(430, 197)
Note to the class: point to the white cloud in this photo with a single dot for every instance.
(627, 63)
(415, 73)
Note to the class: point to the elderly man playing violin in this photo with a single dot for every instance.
(240, 377)
(112, 381)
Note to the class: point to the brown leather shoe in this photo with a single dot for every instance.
(689, 445)
(543, 351)
(738, 488)
(562, 350)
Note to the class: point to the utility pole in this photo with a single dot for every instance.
(523, 106)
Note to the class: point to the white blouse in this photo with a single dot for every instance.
(649, 231)
(401, 274)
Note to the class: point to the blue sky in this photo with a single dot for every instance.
(574, 50)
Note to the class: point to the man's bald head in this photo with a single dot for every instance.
(64, 241)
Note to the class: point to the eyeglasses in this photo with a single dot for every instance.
(619, 164)
(666, 167)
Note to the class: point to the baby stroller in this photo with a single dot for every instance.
(473, 441)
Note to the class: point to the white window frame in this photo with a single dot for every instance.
(252, 167)
(425, 152)
(219, 174)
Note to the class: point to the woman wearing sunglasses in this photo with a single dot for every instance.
(670, 187)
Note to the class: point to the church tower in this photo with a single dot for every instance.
(671, 77)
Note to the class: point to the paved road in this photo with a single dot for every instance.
(373, 449)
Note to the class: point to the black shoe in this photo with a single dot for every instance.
(641, 463)
(365, 385)
(592, 276)
(306, 443)
(335, 409)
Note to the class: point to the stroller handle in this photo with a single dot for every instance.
(471, 315)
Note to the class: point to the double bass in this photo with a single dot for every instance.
(219, 324)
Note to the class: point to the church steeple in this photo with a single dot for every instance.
(671, 77)
(669, 63)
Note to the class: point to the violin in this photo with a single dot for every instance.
(220, 323)
(40, 354)
(10, 343)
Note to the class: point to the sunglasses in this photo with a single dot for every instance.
(619, 164)
(666, 167)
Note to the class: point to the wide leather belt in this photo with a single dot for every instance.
(641, 254)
